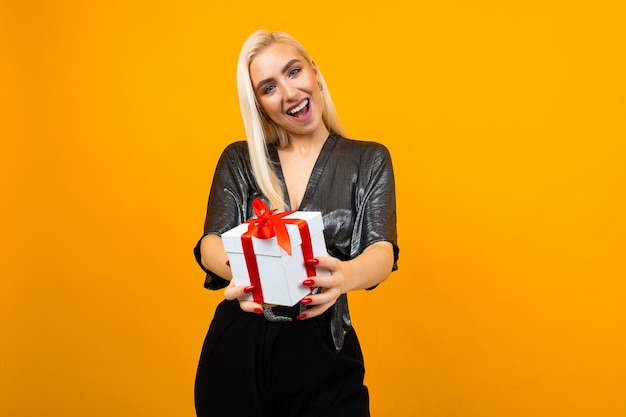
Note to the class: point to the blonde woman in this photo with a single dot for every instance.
(303, 360)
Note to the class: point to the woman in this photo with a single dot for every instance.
(304, 360)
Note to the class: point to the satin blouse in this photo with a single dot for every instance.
(352, 185)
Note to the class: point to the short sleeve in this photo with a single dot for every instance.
(230, 200)
(376, 205)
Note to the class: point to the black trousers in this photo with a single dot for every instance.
(251, 367)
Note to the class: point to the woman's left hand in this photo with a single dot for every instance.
(365, 271)
(332, 286)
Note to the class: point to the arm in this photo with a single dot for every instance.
(367, 270)
(227, 207)
(214, 257)
(370, 268)
(374, 237)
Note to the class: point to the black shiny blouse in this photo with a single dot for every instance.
(352, 185)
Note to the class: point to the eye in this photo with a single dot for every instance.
(293, 72)
(269, 89)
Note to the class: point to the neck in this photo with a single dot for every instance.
(308, 144)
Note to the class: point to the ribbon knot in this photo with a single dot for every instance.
(268, 224)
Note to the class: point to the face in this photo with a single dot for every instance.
(286, 87)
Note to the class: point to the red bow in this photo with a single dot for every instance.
(268, 224)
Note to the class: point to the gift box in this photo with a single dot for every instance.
(269, 252)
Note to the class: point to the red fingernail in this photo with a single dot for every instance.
(258, 310)
(311, 262)
(301, 316)
(227, 263)
(306, 300)
(308, 282)
(249, 289)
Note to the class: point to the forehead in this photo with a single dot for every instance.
(271, 60)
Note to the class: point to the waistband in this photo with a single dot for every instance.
(279, 314)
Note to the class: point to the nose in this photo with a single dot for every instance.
(289, 90)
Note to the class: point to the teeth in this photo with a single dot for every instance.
(300, 107)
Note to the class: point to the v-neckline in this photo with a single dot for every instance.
(316, 172)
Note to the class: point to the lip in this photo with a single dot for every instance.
(303, 117)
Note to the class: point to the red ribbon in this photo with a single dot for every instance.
(253, 268)
(266, 225)
(307, 246)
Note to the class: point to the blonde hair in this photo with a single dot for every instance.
(259, 131)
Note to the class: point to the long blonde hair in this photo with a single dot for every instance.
(259, 131)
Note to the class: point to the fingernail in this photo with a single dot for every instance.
(308, 282)
(249, 289)
(227, 263)
(306, 300)
(301, 316)
(258, 310)
(311, 262)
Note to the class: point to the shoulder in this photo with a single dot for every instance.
(237, 147)
(362, 148)
(235, 151)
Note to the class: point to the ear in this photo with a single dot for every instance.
(315, 70)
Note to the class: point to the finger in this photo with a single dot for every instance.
(325, 262)
(315, 311)
(233, 291)
(327, 296)
(251, 306)
(324, 281)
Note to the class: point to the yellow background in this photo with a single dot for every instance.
(506, 124)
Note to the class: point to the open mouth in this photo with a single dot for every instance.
(300, 110)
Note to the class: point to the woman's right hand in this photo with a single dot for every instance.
(233, 292)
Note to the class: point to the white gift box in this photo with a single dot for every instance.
(280, 274)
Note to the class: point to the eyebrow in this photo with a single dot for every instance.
(285, 68)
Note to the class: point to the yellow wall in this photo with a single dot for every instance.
(506, 122)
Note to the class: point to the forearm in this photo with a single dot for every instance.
(370, 268)
(214, 257)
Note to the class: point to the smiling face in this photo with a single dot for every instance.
(285, 85)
